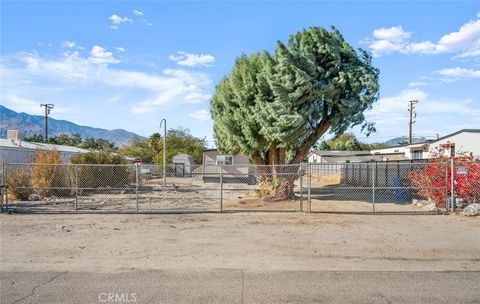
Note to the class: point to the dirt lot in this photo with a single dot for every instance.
(251, 241)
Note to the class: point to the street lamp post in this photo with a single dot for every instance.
(164, 122)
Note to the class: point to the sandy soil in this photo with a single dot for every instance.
(192, 194)
(253, 241)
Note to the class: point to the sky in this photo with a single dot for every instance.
(129, 64)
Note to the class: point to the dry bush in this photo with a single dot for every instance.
(19, 185)
(46, 173)
(327, 180)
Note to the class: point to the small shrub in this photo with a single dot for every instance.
(19, 187)
(433, 178)
(118, 175)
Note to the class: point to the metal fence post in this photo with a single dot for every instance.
(3, 186)
(76, 188)
(373, 186)
(221, 188)
(309, 188)
(447, 205)
(136, 187)
(6, 188)
(452, 178)
(301, 188)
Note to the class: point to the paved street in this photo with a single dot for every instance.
(237, 286)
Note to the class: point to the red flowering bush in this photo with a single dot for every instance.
(434, 181)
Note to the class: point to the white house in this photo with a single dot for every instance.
(462, 141)
(19, 151)
(332, 157)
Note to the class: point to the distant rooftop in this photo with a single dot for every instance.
(19, 144)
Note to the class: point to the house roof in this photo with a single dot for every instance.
(20, 144)
(455, 133)
(339, 153)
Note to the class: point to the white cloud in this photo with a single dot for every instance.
(147, 23)
(117, 20)
(391, 113)
(120, 49)
(465, 42)
(74, 70)
(69, 44)
(417, 84)
(192, 60)
(28, 105)
(202, 115)
(99, 55)
(137, 12)
(454, 74)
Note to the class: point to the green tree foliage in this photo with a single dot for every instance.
(97, 144)
(274, 108)
(34, 138)
(348, 142)
(74, 140)
(97, 158)
(137, 148)
(104, 175)
(273, 104)
(178, 141)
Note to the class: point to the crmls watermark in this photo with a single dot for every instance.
(114, 297)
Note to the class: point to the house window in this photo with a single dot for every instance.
(452, 150)
(224, 160)
(417, 154)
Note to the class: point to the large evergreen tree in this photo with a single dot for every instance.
(274, 108)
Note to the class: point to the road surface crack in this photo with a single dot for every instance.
(32, 292)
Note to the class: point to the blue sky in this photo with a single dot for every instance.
(129, 64)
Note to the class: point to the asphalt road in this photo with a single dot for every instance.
(238, 286)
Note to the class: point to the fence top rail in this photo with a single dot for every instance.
(392, 164)
(365, 164)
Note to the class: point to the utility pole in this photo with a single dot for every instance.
(48, 107)
(411, 107)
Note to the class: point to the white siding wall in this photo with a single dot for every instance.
(464, 142)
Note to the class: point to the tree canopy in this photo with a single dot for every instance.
(178, 141)
(275, 107)
(74, 140)
(348, 142)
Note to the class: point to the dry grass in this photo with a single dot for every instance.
(326, 180)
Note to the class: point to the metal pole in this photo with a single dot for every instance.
(221, 188)
(301, 189)
(3, 186)
(6, 189)
(76, 188)
(373, 186)
(447, 206)
(309, 188)
(136, 187)
(452, 178)
(164, 121)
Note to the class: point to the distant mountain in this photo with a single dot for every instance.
(33, 124)
(404, 140)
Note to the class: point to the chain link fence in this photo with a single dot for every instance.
(348, 187)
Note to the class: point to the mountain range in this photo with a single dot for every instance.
(34, 124)
(403, 140)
